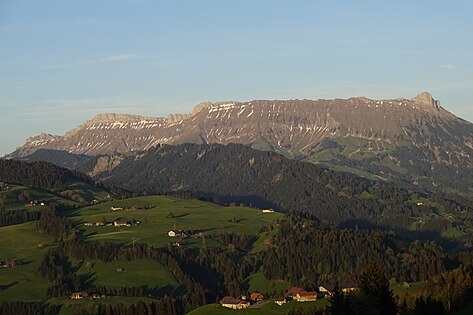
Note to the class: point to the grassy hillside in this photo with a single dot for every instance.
(13, 202)
(178, 272)
(163, 214)
(136, 273)
(46, 178)
(73, 307)
(23, 283)
(268, 308)
(25, 243)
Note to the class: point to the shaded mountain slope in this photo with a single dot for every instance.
(236, 173)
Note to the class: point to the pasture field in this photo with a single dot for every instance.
(83, 192)
(13, 203)
(74, 194)
(23, 282)
(268, 307)
(87, 306)
(164, 213)
(157, 215)
(135, 273)
(257, 282)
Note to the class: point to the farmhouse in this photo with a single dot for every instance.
(255, 296)
(268, 210)
(11, 263)
(36, 203)
(121, 223)
(292, 292)
(280, 301)
(97, 296)
(349, 287)
(346, 287)
(235, 304)
(116, 208)
(177, 233)
(78, 295)
(305, 296)
(326, 289)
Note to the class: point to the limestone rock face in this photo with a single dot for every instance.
(294, 128)
(413, 140)
(426, 99)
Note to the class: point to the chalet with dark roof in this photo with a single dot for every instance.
(292, 292)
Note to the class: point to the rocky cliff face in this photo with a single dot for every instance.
(329, 131)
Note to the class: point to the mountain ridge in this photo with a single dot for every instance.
(423, 102)
(410, 139)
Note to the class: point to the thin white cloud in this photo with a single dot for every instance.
(448, 67)
(123, 57)
(116, 58)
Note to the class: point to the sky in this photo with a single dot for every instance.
(64, 61)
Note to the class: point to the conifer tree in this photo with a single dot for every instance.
(375, 284)
(338, 303)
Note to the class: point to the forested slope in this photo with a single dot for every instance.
(235, 173)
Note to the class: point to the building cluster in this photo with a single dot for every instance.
(117, 223)
(11, 263)
(295, 293)
(85, 295)
(4, 186)
(135, 207)
(345, 287)
(241, 302)
(179, 233)
(35, 203)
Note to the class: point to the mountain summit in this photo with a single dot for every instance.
(386, 138)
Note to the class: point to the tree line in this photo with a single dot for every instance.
(308, 252)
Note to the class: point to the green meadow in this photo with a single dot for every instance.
(134, 273)
(257, 282)
(24, 243)
(12, 202)
(166, 213)
(83, 192)
(87, 306)
(269, 307)
(74, 194)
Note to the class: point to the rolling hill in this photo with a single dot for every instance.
(46, 181)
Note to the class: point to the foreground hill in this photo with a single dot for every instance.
(140, 270)
(402, 139)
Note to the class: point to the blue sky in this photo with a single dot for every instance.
(64, 61)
